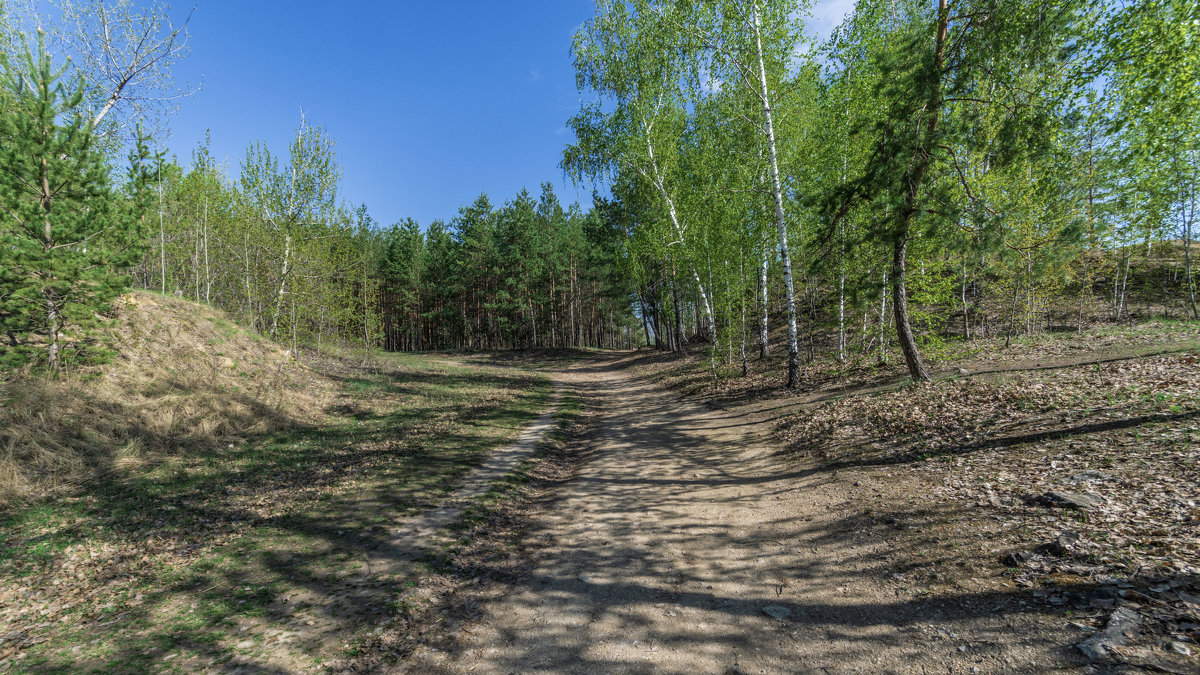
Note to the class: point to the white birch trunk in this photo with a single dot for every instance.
(763, 328)
(780, 218)
(678, 230)
(842, 316)
(162, 242)
(283, 277)
(207, 269)
(883, 318)
(246, 280)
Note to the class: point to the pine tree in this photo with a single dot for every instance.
(65, 236)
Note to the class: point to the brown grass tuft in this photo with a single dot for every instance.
(185, 380)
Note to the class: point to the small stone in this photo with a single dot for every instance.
(963, 371)
(245, 644)
(1066, 500)
(1016, 558)
(1180, 648)
(1062, 545)
(777, 612)
(1121, 624)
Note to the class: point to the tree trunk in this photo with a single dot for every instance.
(207, 268)
(912, 357)
(283, 277)
(1189, 219)
(763, 334)
(1012, 314)
(742, 294)
(1121, 304)
(162, 241)
(966, 309)
(679, 333)
(645, 322)
(780, 219)
(883, 318)
(908, 345)
(841, 348)
(246, 280)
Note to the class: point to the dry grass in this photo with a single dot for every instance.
(185, 380)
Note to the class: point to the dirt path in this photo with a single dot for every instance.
(682, 533)
(411, 540)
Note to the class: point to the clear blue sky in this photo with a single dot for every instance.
(430, 103)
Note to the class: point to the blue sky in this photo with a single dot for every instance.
(430, 103)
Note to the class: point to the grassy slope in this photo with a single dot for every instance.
(250, 552)
(185, 379)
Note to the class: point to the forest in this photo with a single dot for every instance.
(874, 345)
(930, 173)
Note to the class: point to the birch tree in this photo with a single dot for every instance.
(751, 46)
(634, 61)
(289, 197)
(125, 53)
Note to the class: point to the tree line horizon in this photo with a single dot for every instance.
(936, 170)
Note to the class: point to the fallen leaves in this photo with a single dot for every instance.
(1091, 472)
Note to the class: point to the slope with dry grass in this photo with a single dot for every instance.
(185, 380)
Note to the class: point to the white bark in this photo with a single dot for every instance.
(657, 180)
(283, 277)
(162, 240)
(207, 269)
(763, 335)
(841, 353)
(780, 219)
(246, 280)
(883, 318)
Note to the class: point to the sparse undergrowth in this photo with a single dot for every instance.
(1122, 438)
(690, 373)
(252, 553)
(481, 556)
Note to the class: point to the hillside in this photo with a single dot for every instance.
(185, 379)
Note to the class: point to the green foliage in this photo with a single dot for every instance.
(950, 168)
(66, 239)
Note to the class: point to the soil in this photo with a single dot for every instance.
(686, 542)
(413, 539)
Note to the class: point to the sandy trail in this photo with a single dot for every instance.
(412, 539)
(682, 527)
